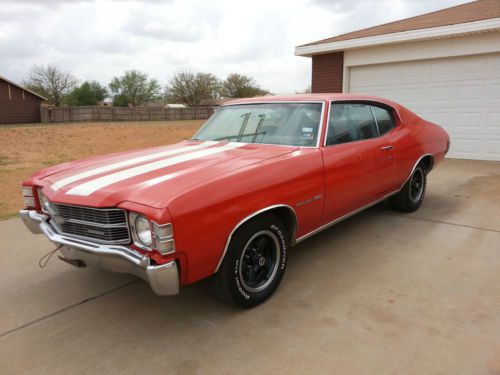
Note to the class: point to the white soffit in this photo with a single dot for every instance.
(401, 37)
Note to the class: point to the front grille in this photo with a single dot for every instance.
(93, 215)
(103, 225)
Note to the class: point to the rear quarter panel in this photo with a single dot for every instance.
(414, 139)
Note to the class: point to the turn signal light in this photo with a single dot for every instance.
(29, 199)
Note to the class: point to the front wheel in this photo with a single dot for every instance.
(412, 194)
(255, 262)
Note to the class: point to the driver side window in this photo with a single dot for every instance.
(350, 122)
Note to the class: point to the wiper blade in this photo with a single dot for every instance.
(243, 125)
(261, 120)
(239, 136)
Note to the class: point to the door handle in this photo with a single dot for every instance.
(386, 148)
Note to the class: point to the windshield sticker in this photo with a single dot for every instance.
(307, 130)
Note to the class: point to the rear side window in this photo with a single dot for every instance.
(350, 122)
(385, 120)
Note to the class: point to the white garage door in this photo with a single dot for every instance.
(462, 94)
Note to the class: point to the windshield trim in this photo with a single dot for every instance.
(320, 127)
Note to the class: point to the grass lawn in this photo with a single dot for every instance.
(27, 148)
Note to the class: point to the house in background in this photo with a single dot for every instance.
(18, 104)
(444, 65)
(175, 105)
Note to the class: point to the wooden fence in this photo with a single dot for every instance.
(95, 113)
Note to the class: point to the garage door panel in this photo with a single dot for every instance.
(493, 149)
(494, 90)
(461, 94)
(439, 93)
(492, 125)
(469, 121)
(470, 91)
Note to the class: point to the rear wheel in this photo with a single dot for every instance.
(255, 262)
(412, 194)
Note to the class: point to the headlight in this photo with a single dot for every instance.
(143, 230)
(44, 202)
(148, 234)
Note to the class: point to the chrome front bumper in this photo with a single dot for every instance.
(163, 279)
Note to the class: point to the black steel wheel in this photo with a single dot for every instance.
(411, 195)
(255, 262)
(259, 261)
(417, 184)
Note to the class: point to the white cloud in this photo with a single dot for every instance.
(98, 39)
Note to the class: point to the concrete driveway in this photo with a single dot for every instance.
(380, 293)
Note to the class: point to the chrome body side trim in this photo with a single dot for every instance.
(163, 278)
(346, 216)
(251, 216)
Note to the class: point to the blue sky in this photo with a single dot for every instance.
(96, 40)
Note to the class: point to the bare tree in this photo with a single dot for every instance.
(192, 88)
(307, 90)
(240, 86)
(50, 81)
(134, 88)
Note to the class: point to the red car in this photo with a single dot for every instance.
(261, 175)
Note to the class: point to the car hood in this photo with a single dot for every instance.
(149, 176)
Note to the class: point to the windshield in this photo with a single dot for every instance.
(291, 124)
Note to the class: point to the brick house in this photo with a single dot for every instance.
(443, 65)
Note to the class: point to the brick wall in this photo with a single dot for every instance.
(327, 72)
(17, 108)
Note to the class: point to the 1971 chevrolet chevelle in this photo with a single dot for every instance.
(260, 176)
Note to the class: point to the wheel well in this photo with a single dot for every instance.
(287, 216)
(285, 213)
(428, 162)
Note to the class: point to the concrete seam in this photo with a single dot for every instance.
(66, 308)
(448, 223)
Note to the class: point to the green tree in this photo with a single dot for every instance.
(134, 88)
(192, 88)
(51, 82)
(88, 93)
(240, 86)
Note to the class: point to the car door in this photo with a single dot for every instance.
(356, 160)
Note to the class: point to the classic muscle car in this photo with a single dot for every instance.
(260, 176)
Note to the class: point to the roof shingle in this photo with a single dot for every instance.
(469, 12)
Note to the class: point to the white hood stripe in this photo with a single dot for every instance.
(125, 163)
(89, 187)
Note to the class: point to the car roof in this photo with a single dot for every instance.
(311, 97)
(402, 112)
